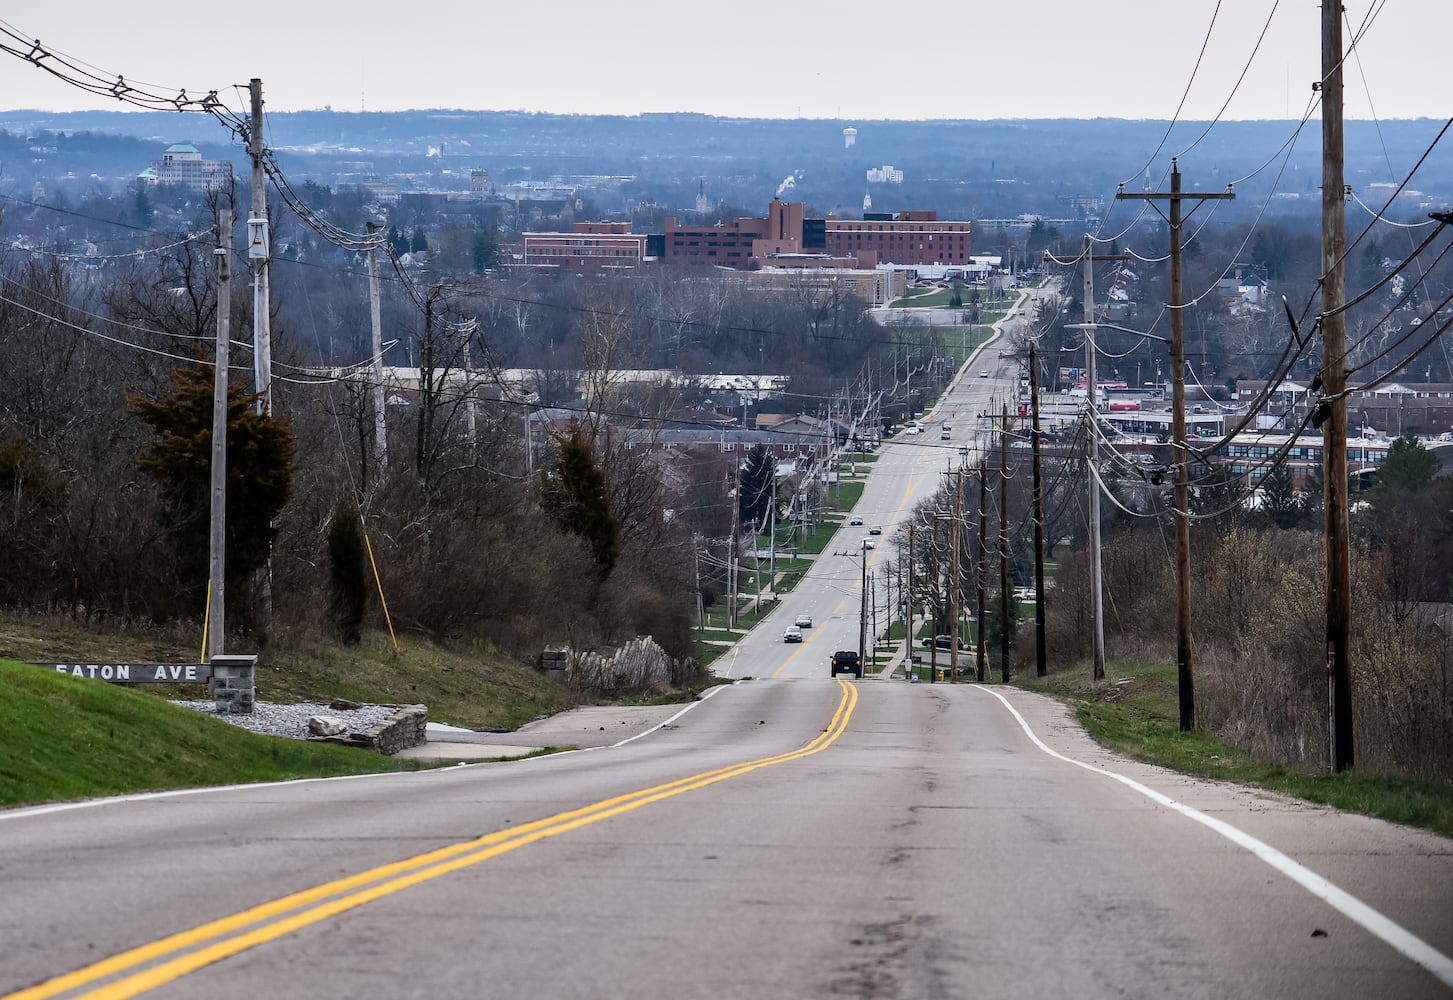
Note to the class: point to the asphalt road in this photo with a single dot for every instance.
(784, 838)
(789, 836)
(907, 470)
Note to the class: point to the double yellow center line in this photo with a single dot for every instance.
(187, 951)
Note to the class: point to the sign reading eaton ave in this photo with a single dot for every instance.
(136, 673)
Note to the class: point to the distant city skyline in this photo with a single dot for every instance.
(853, 61)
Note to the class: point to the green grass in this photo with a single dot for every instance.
(1135, 711)
(845, 495)
(65, 737)
(476, 688)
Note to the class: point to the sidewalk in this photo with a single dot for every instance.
(592, 726)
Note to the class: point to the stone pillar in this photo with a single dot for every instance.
(232, 685)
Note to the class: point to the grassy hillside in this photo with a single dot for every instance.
(66, 737)
(63, 737)
(473, 688)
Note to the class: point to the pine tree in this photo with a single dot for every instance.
(259, 474)
(755, 489)
(347, 571)
(579, 498)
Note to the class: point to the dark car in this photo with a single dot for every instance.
(847, 661)
(941, 641)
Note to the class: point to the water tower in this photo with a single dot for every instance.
(850, 136)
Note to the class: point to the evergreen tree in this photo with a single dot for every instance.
(579, 498)
(347, 571)
(1409, 466)
(259, 475)
(754, 492)
(1279, 499)
(483, 251)
(417, 242)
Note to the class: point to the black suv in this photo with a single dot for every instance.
(847, 661)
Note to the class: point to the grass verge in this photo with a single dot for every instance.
(1134, 711)
(67, 737)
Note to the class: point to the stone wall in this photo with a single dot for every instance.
(640, 666)
(405, 727)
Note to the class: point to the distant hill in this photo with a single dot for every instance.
(962, 168)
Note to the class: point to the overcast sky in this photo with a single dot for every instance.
(848, 59)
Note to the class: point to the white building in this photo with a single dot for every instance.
(182, 166)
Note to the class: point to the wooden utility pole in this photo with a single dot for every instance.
(862, 605)
(376, 390)
(1186, 687)
(1092, 413)
(217, 556)
(1004, 623)
(258, 252)
(956, 599)
(1041, 664)
(907, 593)
(1334, 378)
(736, 495)
(981, 656)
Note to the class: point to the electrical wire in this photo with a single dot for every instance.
(1205, 42)
(1237, 85)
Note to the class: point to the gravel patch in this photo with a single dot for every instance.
(292, 720)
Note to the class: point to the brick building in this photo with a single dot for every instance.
(901, 238)
(589, 247)
(1393, 408)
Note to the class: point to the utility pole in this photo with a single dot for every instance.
(376, 391)
(258, 252)
(772, 541)
(1088, 259)
(981, 656)
(956, 600)
(1041, 666)
(1092, 385)
(700, 603)
(736, 495)
(1334, 378)
(1185, 678)
(908, 594)
(1004, 623)
(863, 604)
(217, 557)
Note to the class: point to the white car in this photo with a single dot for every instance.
(984, 373)
(876, 529)
(855, 520)
(803, 621)
(869, 543)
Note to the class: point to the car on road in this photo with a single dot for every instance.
(876, 529)
(792, 634)
(803, 621)
(984, 373)
(855, 520)
(869, 543)
(847, 661)
(941, 641)
(943, 434)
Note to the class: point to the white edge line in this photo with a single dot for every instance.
(666, 722)
(1354, 909)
